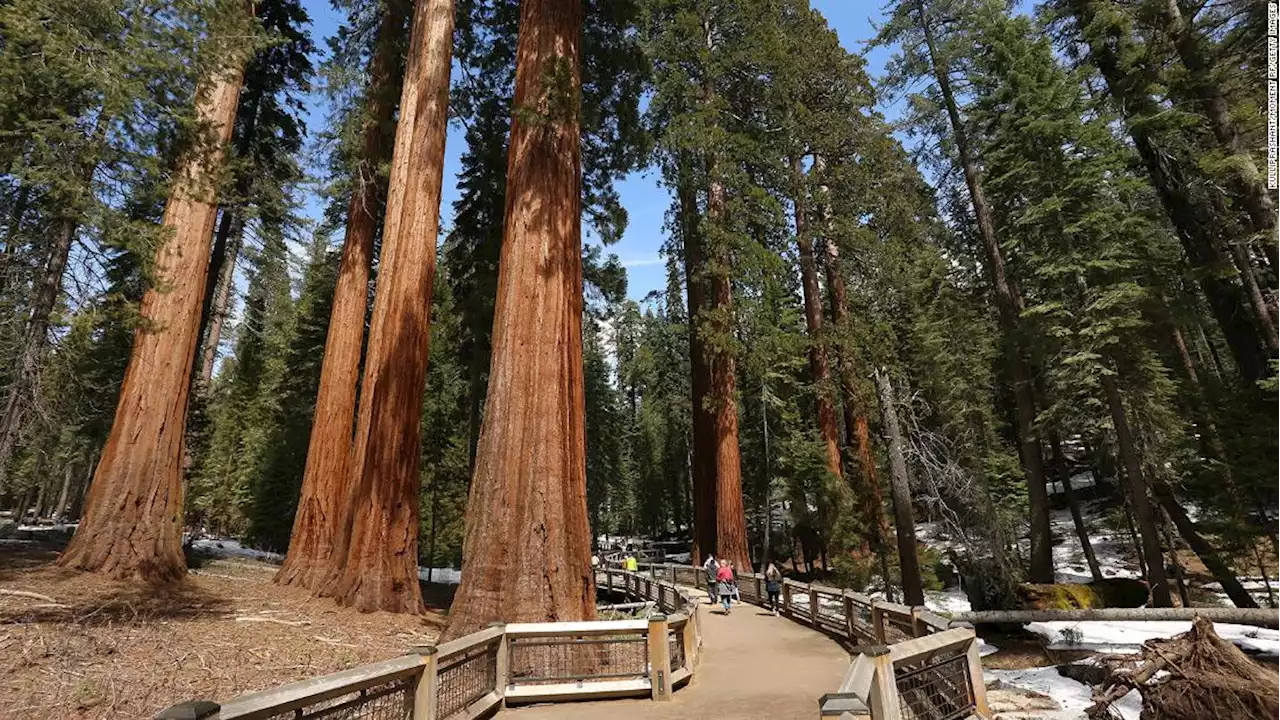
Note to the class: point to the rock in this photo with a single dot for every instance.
(1088, 671)
(1061, 596)
(1007, 700)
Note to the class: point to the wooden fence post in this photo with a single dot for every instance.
(849, 615)
(877, 622)
(671, 570)
(659, 658)
(975, 679)
(884, 689)
(690, 631)
(426, 693)
(191, 710)
(502, 671)
(813, 606)
(786, 597)
(918, 626)
(760, 594)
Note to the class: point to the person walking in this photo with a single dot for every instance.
(773, 586)
(710, 567)
(724, 584)
(631, 564)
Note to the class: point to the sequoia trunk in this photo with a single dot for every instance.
(132, 524)
(318, 542)
(819, 368)
(527, 548)
(381, 566)
(867, 491)
(731, 514)
(703, 462)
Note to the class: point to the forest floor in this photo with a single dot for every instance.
(96, 648)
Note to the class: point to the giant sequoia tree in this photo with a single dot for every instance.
(527, 544)
(381, 568)
(132, 525)
(316, 544)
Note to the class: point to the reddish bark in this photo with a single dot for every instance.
(703, 457)
(866, 486)
(527, 547)
(381, 566)
(317, 546)
(731, 515)
(819, 368)
(132, 524)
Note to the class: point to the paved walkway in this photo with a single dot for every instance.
(753, 665)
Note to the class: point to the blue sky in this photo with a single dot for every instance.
(646, 202)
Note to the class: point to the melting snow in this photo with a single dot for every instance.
(1118, 637)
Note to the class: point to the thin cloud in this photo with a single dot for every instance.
(642, 262)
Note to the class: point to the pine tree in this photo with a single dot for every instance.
(930, 50)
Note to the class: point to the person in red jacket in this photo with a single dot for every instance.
(724, 584)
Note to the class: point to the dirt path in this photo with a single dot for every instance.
(753, 665)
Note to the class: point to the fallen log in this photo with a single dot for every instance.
(1269, 618)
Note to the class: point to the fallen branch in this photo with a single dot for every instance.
(1239, 616)
(291, 623)
(331, 641)
(29, 594)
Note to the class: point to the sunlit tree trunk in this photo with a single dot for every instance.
(527, 547)
(868, 493)
(702, 465)
(731, 514)
(318, 542)
(132, 524)
(381, 567)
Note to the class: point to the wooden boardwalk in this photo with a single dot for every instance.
(753, 665)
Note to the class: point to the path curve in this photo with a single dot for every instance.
(753, 665)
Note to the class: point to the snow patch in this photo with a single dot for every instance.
(1123, 637)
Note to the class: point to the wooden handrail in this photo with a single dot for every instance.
(466, 642)
(585, 628)
(925, 648)
(292, 696)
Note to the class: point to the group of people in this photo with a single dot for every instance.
(722, 584)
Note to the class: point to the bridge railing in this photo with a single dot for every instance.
(475, 675)
(909, 663)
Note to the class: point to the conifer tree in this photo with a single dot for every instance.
(133, 513)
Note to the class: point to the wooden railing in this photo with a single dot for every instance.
(908, 661)
(504, 664)
(936, 676)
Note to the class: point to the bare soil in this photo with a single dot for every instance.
(97, 648)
